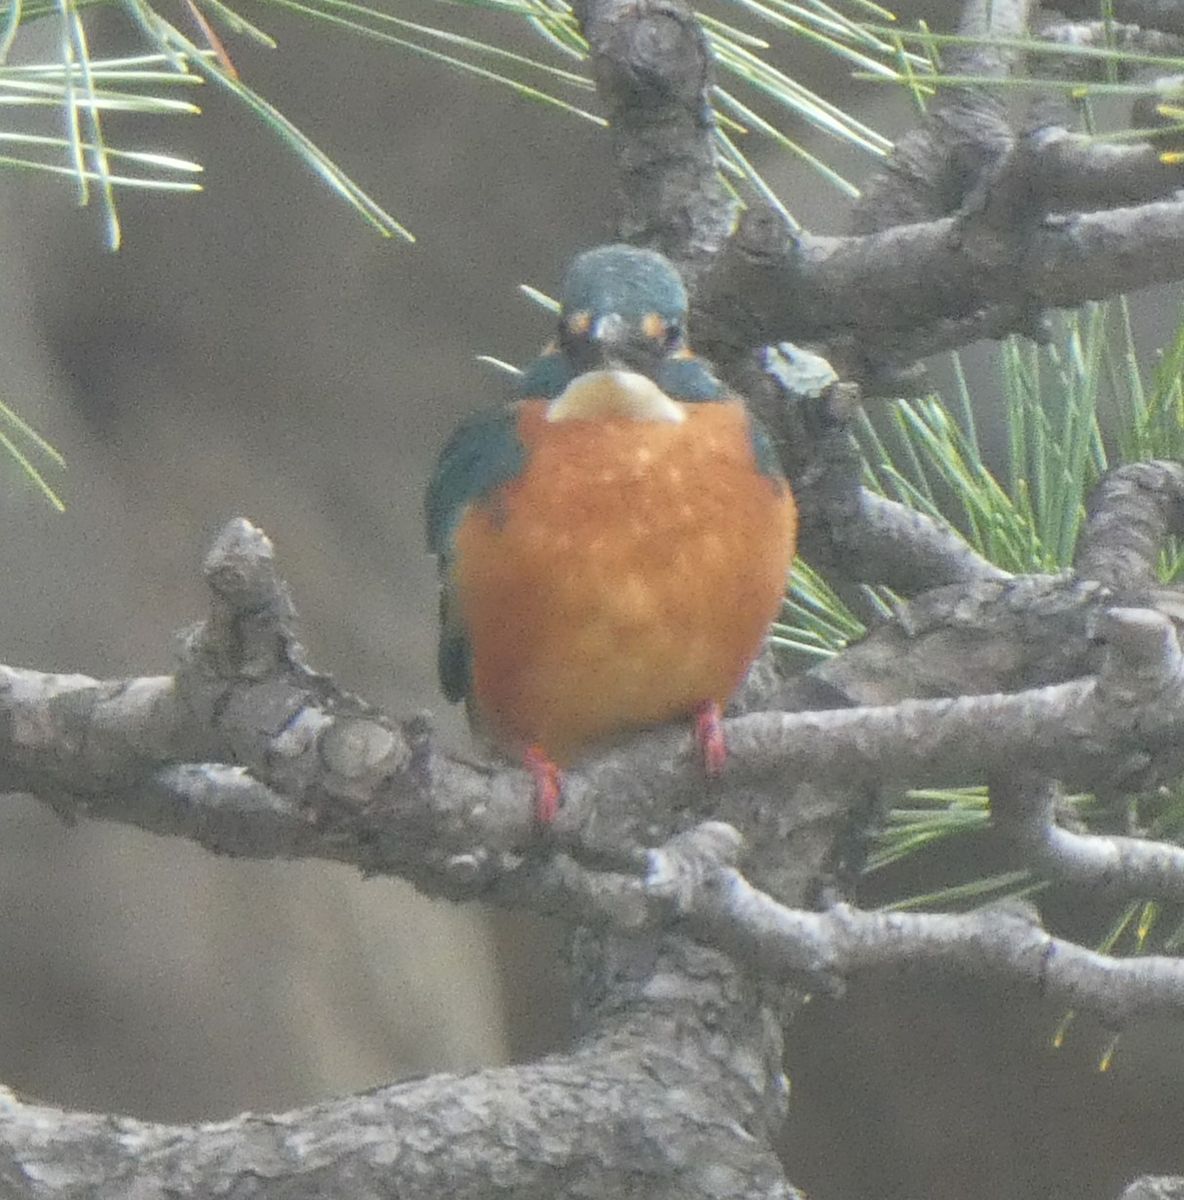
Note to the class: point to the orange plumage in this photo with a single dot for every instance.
(613, 547)
(627, 576)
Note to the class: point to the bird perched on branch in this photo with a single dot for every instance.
(613, 546)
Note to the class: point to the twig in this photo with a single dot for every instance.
(1024, 808)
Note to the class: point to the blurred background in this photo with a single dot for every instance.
(258, 350)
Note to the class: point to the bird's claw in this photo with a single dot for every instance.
(548, 785)
(709, 737)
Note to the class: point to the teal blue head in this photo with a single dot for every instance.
(622, 306)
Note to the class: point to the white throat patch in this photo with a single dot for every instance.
(614, 394)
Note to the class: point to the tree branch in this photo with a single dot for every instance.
(999, 943)
(349, 785)
(847, 532)
(1130, 515)
(653, 71)
(963, 135)
(880, 300)
(1117, 35)
(602, 1124)
(1025, 809)
(1165, 15)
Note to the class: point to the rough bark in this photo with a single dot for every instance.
(688, 953)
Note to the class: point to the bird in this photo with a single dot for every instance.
(614, 543)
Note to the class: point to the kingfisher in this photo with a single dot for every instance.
(612, 545)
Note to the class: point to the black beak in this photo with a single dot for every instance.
(611, 332)
(619, 343)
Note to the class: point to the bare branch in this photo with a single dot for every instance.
(1080, 732)
(693, 878)
(1025, 809)
(847, 532)
(603, 1123)
(964, 133)
(885, 296)
(653, 71)
(908, 551)
(347, 784)
(1131, 513)
(719, 905)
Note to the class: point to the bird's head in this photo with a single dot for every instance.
(623, 308)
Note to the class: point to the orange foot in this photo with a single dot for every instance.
(548, 785)
(709, 737)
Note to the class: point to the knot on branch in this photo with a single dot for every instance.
(1144, 660)
(647, 55)
(360, 754)
(248, 633)
(690, 862)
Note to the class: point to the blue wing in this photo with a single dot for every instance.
(764, 449)
(546, 376)
(483, 453)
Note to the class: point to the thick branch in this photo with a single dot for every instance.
(1085, 733)
(1130, 515)
(349, 785)
(653, 71)
(964, 133)
(924, 287)
(598, 1124)
(555, 1128)
(466, 1135)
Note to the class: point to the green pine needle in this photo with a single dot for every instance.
(86, 89)
(1024, 514)
(13, 431)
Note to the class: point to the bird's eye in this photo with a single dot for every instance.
(578, 323)
(673, 335)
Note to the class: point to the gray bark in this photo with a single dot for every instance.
(688, 954)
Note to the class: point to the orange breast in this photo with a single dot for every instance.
(628, 575)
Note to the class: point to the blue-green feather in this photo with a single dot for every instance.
(689, 379)
(547, 376)
(768, 461)
(483, 453)
(626, 280)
